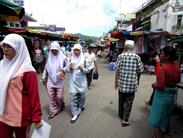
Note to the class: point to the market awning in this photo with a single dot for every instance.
(17, 30)
(34, 31)
(53, 35)
(176, 40)
(112, 39)
(5, 30)
(132, 33)
(136, 33)
(117, 34)
(27, 17)
(11, 11)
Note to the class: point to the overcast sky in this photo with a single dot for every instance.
(89, 17)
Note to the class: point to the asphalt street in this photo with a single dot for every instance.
(100, 118)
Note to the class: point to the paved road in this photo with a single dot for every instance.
(100, 119)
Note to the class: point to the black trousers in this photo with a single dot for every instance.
(125, 104)
(152, 97)
(89, 77)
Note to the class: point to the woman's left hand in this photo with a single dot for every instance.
(61, 74)
(37, 125)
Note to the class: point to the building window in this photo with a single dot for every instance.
(179, 20)
(11, 24)
(17, 25)
(177, 5)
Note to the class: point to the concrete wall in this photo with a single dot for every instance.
(165, 18)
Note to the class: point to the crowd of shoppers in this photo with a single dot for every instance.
(20, 103)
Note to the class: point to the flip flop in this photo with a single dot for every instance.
(53, 115)
(124, 124)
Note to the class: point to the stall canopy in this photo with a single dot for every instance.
(27, 17)
(54, 35)
(11, 11)
(112, 39)
(119, 34)
(177, 40)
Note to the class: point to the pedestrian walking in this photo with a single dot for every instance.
(53, 78)
(19, 96)
(92, 61)
(78, 68)
(127, 76)
(165, 91)
(38, 57)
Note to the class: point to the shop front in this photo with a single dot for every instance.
(178, 44)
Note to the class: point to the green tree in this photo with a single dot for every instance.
(88, 40)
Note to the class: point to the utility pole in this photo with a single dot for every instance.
(120, 7)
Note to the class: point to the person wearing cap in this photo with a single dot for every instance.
(78, 67)
(128, 69)
(92, 61)
(53, 79)
(19, 94)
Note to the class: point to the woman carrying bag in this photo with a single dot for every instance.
(19, 95)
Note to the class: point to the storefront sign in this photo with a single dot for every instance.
(178, 5)
(127, 16)
(19, 2)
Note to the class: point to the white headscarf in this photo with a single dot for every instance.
(10, 69)
(77, 60)
(55, 62)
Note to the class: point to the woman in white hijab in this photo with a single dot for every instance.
(19, 101)
(78, 83)
(53, 77)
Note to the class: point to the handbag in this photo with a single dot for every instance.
(95, 75)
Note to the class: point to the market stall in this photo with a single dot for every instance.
(10, 11)
(178, 44)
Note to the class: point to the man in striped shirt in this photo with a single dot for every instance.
(129, 68)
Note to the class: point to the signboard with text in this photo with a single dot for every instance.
(19, 2)
(178, 5)
(127, 16)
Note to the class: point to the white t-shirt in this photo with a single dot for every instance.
(90, 57)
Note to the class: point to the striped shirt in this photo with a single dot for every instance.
(129, 65)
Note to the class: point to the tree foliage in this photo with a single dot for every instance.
(88, 40)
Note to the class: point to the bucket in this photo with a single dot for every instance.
(112, 66)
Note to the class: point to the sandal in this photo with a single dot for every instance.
(52, 115)
(125, 124)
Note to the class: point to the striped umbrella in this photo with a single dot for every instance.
(10, 11)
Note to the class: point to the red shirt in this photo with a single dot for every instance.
(168, 76)
(22, 101)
